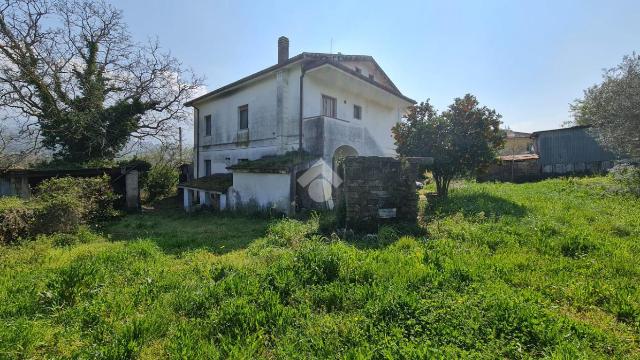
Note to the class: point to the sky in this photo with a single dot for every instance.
(527, 60)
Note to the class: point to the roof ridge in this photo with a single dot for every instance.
(302, 56)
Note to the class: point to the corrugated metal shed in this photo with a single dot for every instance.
(569, 146)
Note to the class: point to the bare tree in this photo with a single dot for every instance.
(72, 69)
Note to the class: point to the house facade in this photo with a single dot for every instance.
(325, 105)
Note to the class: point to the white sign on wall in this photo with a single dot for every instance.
(387, 213)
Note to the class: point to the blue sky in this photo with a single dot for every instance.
(528, 60)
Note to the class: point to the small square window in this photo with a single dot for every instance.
(371, 76)
(358, 70)
(207, 125)
(243, 116)
(357, 112)
(207, 167)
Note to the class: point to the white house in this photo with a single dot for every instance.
(327, 105)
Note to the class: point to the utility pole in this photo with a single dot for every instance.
(180, 144)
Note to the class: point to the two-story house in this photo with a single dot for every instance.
(328, 105)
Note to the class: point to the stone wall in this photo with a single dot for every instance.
(377, 190)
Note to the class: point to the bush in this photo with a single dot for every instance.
(290, 232)
(58, 213)
(161, 181)
(61, 205)
(628, 176)
(93, 196)
(16, 217)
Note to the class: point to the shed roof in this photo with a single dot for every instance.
(519, 157)
(216, 183)
(536, 133)
(272, 163)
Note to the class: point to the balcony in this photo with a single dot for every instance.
(322, 135)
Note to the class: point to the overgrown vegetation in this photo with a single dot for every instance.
(61, 205)
(627, 176)
(161, 181)
(507, 271)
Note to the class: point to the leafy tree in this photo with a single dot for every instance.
(462, 140)
(613, 107)
(72, 69)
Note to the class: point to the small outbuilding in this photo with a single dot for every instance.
(207, 191)
(571, 150)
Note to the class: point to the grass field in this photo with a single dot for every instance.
(548, 269)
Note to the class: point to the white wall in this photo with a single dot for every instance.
(274, 132)
(268, 134)
(380, 111)
(267, 190)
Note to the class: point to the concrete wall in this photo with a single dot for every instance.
(273, 118)
(262, 190)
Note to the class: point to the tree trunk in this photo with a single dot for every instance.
(442, 185)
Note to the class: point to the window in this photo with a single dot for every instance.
(329, 106)
(243, 115)
(357, 112)
(207, 125)
(242, 160)
(207, 167)
(371, 76)
(358, 70)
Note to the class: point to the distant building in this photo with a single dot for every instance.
(548, 153)
(517, 143)
(571, 150)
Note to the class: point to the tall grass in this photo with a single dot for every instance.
(513, 271)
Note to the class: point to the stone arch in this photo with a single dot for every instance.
(342, 152)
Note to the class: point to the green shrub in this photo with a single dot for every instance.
(161, 181)
(58, 213)
(61, 205)
(290, 232)
(16, 217)
(627, 176)
(94, 196)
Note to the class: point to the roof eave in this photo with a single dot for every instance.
(363, 78)
(244, 80)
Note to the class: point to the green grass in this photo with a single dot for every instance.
(548, 269)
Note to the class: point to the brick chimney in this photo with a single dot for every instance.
(283, 49)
